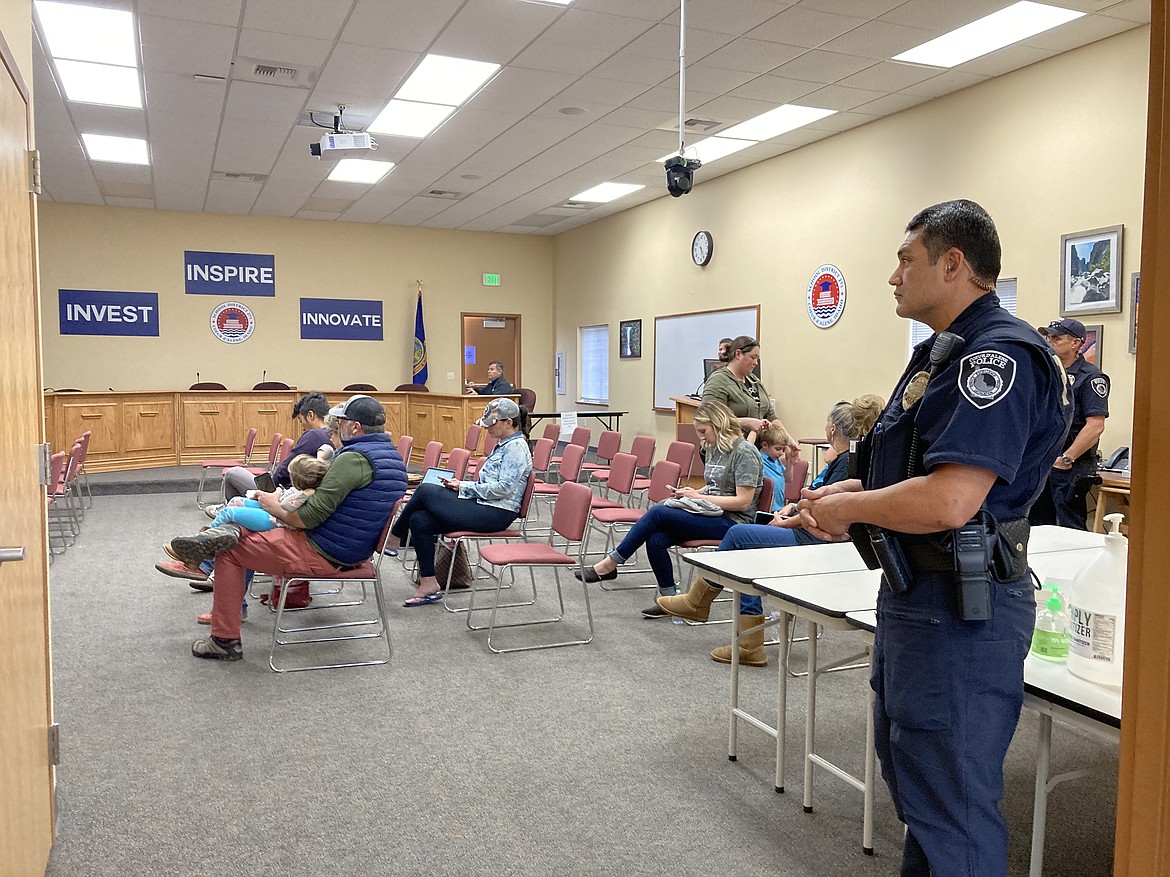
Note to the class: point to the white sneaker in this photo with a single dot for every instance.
(212, 510)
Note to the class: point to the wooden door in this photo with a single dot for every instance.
(487, 337)
(26, 792)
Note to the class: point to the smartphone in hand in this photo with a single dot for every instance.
(764, 517)
(264, 483)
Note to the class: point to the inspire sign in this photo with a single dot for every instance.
(341, 319)
(229, 274)
(94, 312)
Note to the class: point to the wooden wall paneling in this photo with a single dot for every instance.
(1143, 796)
(211, 427)
(270, 415)
(148, 430)
(99, 415)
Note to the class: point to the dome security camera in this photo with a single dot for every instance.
(680, 173)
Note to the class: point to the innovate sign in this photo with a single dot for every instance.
(93, 312)
(229, 274)
(342, 319)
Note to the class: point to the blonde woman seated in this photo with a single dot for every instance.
(847, 422)
(733, 476)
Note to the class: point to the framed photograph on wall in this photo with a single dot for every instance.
(1135, 283)
(1090, 272)
(630, 339)
(1091, 349)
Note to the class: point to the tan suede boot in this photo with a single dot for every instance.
(751, 644)
(695, 604)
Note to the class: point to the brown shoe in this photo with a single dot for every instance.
(695, 604)
(751, 644)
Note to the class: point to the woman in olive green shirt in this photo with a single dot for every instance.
(736, 387)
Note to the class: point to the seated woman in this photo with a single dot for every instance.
(848, 421)
(733, 476)
(489, 503)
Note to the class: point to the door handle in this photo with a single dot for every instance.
(8, 555)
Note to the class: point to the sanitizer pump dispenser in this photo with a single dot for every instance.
(1097, 614)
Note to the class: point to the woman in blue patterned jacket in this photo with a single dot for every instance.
(487, 504)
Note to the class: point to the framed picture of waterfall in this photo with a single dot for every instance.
(1090, 272)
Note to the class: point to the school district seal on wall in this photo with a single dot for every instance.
(825, 297)
(232, 323)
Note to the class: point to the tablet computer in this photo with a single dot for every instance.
(264, 483)
(436, 476)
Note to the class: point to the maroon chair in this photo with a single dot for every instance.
(470, 441)
(489, 445)
(763, 504)
(611, 522)
(608, 444)
(570, 518)
(61, 517)
(457, 462)
(795, 477)
(274, 448)
(470, 538)
(225, 463)
(81, 473)
(552, 431)
(580, 437)
(431, 455)
(405, 443)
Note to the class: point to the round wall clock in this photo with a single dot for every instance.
(702, 247)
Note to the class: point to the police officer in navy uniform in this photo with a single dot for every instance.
(1071, 475)
(962, 449)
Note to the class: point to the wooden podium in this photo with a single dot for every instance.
(684, 431)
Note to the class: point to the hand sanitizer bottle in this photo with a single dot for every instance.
(1050, 638)
(1097, 614)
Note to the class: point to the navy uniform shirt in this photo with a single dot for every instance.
(1089, 387)
(497, 387)
(1000, 403)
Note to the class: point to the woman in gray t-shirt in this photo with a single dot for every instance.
(733, 476)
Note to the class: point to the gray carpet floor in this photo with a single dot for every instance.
(609, 758)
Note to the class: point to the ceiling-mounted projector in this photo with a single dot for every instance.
(335, 146)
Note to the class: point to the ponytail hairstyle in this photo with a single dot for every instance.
(855, 419)
(720, 418)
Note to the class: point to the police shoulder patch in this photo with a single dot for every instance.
(1100, 386)
(986, 377)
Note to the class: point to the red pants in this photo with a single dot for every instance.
(279, 552)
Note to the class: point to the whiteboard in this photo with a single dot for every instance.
(682, 341)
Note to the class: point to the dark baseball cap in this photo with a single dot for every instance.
(1067, 326)
(363, 409)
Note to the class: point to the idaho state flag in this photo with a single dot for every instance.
(420, 344)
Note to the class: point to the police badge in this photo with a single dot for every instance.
(986, 377)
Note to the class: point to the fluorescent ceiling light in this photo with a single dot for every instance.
(1010, 25)
(712, 148)
(360, 170)
(776, 122)
(124, 150)
(442, 80)
(406, 118)
(100, 84)
(607, 192)
(88, 33)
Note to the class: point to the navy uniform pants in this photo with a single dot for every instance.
(949, 694)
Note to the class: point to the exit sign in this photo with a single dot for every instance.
(491, 280)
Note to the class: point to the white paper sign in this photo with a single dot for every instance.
(568, 423)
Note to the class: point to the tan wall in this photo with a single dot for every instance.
(132, 250)
(15, 24)
(1055, 148)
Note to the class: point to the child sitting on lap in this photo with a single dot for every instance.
(245, 513)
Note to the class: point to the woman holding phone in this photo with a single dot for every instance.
(847, 422)
(733, 475)
(489, 503)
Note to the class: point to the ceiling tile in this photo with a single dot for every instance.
(941, 17)
(838, 97)
(594, 30)
(879, 39)
(494, 30)
(661, 41)
(225, 197)
(517, 90)
(248, 151)
(285, 48)
(713, 80)
(1006, 60)
(645, 10)
(666, 99)
(307, 18)
(866, 8)
(728, 109)
(174, 46)
(118, 121)
(144, 203)
(252, 102)
(114, 172)
(888, 105)
(889, 76)
(178, 91)
(635, 68)
(1076, 33)
(635, 117)
(209, 11)
(821, 66)
(1131, 10)
(560, 57)
(398, 24)
(775, 90)
(729, 16)
(801, 26)
(945, 82)
(591, 89)
(755, 56)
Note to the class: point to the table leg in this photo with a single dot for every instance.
(786, 620)
(1040, 805)
(810, 719)
(870, 759)
(733, 730)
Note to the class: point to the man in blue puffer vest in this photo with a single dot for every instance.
(337, 527)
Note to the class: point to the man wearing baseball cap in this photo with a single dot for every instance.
(337, 528)
(1063, 499)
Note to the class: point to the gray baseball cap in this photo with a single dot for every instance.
(499, 408)
(364, 409)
